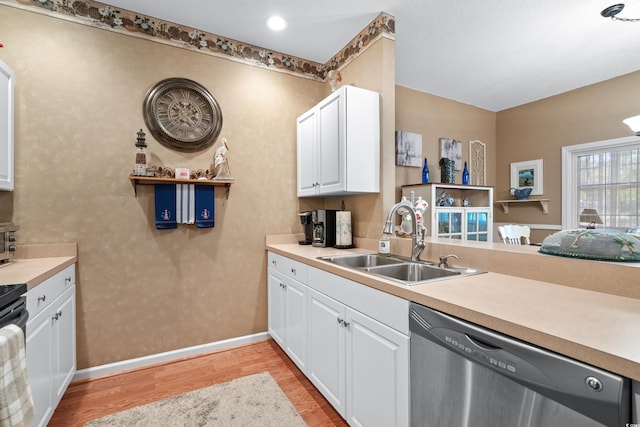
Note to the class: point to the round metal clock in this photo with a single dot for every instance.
(182, 114)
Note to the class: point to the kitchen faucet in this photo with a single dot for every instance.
(417, 246)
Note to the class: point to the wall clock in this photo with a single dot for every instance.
(182, 114)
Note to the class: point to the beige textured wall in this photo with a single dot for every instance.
(79, 94)
(435, 117)
(538, 131)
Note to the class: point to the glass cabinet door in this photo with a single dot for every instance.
(477, 221)
(449, 223)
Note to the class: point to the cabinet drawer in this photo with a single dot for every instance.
(288, 267)
(45, 293)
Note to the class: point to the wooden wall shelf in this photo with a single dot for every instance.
(148, 180)
(544, 204)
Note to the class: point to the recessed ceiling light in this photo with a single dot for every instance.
(276, 23)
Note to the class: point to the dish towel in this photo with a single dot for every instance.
(205, 205)
(165, 206)
(16, 403)
(185, 204)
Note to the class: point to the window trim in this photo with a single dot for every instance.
(570, 156)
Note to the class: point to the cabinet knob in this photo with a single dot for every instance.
(273, 262)
(340, 321)
(42, 298)
(345, 323)
(293, 270)
(283, 286)
(67, 279)
(57, 315)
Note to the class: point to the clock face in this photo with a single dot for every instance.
(182, 115)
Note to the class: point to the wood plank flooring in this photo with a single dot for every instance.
(89, 399)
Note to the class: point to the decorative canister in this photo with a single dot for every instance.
(447, 171)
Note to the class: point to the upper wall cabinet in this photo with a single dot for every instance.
(6, 127)
(339, 145)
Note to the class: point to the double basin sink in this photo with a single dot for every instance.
(399, 269)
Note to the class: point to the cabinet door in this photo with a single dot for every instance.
(326, 361)
(295, 296)
(40, 365)
(377, 373)
(331, 144)
(449, 223)
(6, 127)
(275, 295)
(307, 133)
(64, 342)
(478, 225)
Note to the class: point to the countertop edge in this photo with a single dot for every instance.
(35, 263)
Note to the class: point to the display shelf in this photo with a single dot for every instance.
(459, 220)
(148, 180)
(544, 204)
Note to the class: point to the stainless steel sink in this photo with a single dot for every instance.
(362, 260)
(412, 272)
(399, 269)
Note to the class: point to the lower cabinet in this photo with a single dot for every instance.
(354, 343)
(51, 341)
(287, 318)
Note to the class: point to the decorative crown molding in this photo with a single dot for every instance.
(106, 17)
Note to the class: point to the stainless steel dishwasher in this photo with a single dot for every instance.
(468, 376)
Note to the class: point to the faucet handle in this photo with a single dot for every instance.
(443, 260)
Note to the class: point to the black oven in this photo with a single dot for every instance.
(13, 306)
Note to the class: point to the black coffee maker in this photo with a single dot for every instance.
(307, 224)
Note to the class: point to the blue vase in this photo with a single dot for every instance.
(425, 172)
(465, 174)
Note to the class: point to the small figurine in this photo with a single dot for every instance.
(219, 168)
(141, 155)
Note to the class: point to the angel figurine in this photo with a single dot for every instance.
(219, 168)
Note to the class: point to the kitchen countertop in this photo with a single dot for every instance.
(33, 264)
(598, 328)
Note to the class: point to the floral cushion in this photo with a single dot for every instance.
(599, 244)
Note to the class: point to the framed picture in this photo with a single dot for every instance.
(451, 149)
(527, 175)
(408, 149)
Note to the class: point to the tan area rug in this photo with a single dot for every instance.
(254, 400)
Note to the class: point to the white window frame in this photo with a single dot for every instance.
(570, 156)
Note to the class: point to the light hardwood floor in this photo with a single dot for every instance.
(89, 399)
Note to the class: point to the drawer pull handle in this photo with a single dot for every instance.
(273, 262)
(57, 315)
(293, 270)
(43, 298)
(67, 279)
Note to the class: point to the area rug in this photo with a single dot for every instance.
(254, 400)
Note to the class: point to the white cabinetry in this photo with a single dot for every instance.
(457, 221)
(287, 295)
(359, 350)
(6, 127)
(51, 341)
(339, 144)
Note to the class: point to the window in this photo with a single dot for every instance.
(604, 176)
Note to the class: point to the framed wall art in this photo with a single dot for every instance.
(408, 149)
(477, 162)
(528, 174)
(451, 149)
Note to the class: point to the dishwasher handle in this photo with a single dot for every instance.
(482, 344)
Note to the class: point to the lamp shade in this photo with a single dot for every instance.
(633, 123)
(590, 216)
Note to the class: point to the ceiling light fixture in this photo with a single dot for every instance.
(633, 123)
(276, 23)
(612, 11)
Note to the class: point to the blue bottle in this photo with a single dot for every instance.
(465, 174)
(425, 172)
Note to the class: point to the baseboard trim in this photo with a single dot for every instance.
(154, 359)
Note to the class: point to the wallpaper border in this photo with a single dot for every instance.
(106, 17)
